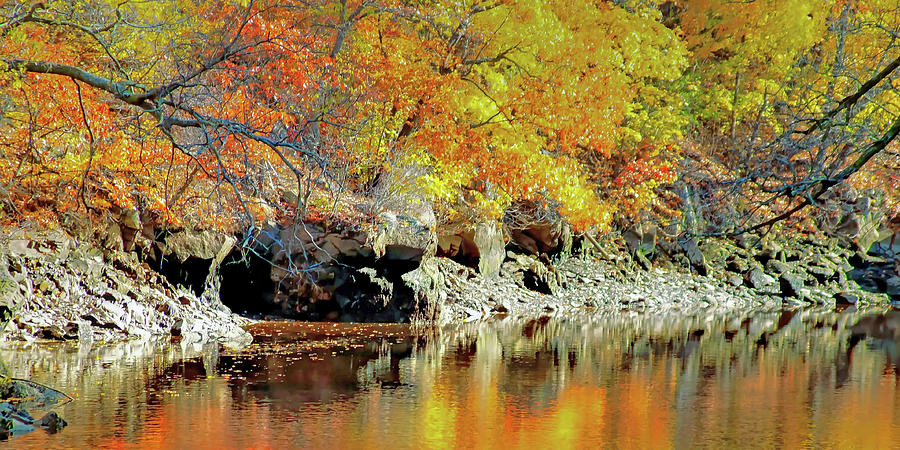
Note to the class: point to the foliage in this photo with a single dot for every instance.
(232, 113)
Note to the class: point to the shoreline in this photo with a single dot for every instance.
(61, 290)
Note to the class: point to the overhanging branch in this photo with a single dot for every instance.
(819, 188)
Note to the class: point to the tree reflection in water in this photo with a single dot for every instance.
(753, 378)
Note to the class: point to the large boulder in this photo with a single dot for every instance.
(204, 249)
(404, 237)
(425, 288)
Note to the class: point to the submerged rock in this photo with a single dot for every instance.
(14, 420)
(52, 422)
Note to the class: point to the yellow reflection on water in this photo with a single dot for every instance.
(785, 379)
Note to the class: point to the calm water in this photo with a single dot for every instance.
(737, 379)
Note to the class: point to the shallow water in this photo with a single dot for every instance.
(715, 379)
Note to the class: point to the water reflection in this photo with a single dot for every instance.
(718, 378)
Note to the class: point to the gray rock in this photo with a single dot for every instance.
(491, 249)
(893, 286)
(747, 241)
(770, 250)
(777, 267)
(52, 422)
(427, 285)
(23, 247)
(197, 244)
(405, 231)
(791, 285)
(846, 298)
(737, 265)
(641, 238)
(693, 253)
(822, 274)
(761, 282)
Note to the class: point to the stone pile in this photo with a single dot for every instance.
(58, 288)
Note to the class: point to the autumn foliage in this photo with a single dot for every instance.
(230, 114)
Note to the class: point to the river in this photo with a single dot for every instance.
(788, 378)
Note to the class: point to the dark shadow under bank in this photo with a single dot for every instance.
(368, 289)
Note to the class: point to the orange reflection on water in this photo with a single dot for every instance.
(754, 379)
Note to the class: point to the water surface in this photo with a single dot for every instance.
(794, 378)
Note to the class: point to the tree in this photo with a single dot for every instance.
(795, 98)
(223, 114)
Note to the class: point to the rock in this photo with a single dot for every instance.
(52, 422)
(791, 285)
(14, 420)
(491, 248)
(643, 261)
(770, 250)
(735, 280)
(22, 247)
(846, 298)
(892, 286)
(693, 253)
(130, 224)
(761, 282)
(737, 265)
(747, 241)
(867, 279)
(403, 253)
(347, 246)
(549, 238)
(524, 242)
(822, 274)
(775, 266)
(641, 238)
(414, 234)
(110, 237)
(532, 274)
(186, 244)
(449, 245)
(119, 299)
(210, 246)
(426, 287)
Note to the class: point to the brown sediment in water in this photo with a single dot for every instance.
(292, 331)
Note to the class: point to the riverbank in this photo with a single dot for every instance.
(738, 274)
(62, 289)
(58, 288)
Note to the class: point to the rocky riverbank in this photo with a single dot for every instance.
(748, 272)
(188, 285)
(57, 288)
